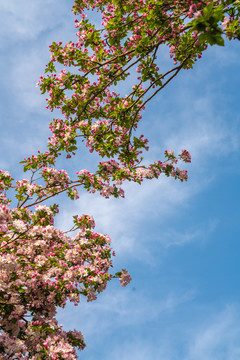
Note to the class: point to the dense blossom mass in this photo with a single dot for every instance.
(41, 266)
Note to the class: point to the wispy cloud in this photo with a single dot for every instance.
(219, 338)
(198, 233)
(128, 307)
(213, 335)
(122, 218)
(27, 20)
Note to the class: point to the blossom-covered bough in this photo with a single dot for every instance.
(41, 266)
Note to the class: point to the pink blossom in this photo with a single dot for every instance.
(125, 278)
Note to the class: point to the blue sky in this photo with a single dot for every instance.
(180, 241)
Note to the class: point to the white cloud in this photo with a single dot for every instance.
(128, 307)
(156, 328)
(26, 41)
(24, 73)
(197, 125)
(211, 335)
(27, 20)
(198, 233)
(219, 338)
(125, 219)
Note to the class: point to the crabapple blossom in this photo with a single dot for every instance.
(42, 267)
(125, 278)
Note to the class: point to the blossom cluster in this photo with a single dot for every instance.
(41, 268)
